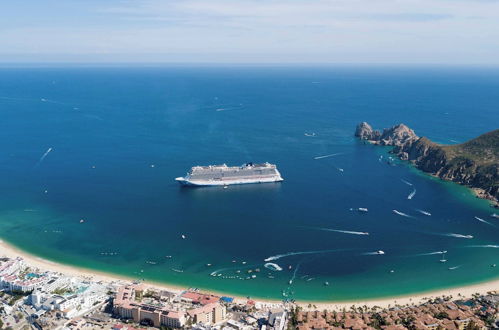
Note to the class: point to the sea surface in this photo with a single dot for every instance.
(104, 145)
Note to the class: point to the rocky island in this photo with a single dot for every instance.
(474, 163)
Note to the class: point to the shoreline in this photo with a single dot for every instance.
(11, 251)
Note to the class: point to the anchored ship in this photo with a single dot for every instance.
(223, 175)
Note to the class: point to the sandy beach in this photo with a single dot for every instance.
(11, 251)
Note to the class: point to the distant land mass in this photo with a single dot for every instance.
(474, 163)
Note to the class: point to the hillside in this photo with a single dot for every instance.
(474, 163)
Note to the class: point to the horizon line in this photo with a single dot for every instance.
(7, 64)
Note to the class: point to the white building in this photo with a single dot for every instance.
(277, 320)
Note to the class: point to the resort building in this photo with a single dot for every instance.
(194, 297)
(211, 313)
(127, 306)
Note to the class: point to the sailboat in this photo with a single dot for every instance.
(443, 258)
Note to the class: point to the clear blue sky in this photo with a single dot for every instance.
(257, 31)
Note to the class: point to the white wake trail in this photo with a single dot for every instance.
(424, 212)
(330, 155)
(375, 253)
(406, 182)
(458, 235)
(344, 231)
(273, 266)
(43, 156)
(431, 253)
(490, 246)
(412, 194)
(294, 274)
(484, 221)
(289, 254)
(402, 214)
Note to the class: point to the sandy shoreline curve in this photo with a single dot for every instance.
(11, 251)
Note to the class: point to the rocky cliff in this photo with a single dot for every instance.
(474, 163)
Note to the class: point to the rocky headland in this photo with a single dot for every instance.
(474, 163)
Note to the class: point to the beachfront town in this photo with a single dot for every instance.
(32, 298)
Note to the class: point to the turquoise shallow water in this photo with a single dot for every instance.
(107, 126)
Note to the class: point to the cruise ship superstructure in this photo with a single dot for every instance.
(223, 175)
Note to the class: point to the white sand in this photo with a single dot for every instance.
(466, 291)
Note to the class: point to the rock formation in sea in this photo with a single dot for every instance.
(474, 163)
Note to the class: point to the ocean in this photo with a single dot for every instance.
(104, 144)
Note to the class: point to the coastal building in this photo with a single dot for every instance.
(443, 315)
(211, 313)
(16, 283)
(277, 320)
(195, 297)
(127, 305)
(10, 266)
(73, 304)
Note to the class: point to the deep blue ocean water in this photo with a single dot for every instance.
(119, 137)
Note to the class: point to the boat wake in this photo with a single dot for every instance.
(273, 266)
(490, 246)
(294, 274)
(430, 253)
(43, 157)
(458, 235)
(219, 271)
(289, 254)
(484, 221)
(406, 182)
(330, 155)
(375, 253)
(424, 212)
(402, 214)
(344, 231)
(412, 194)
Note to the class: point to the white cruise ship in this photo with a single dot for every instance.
(223, 175)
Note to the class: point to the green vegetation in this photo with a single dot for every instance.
(16, 295)
(483, 150)
(478, 160)
(472, 326)
(474, 163)
(62, 291)
(441, 315)
(378, 321)
(149, 294)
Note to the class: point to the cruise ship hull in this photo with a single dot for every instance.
(204, 183)
(223, 175)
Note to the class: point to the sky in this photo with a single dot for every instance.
(251, 31)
